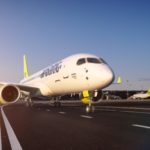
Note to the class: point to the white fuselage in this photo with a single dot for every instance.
(72, 74)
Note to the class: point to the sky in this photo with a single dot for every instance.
(49, 30)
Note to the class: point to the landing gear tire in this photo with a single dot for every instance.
(90, 109)
(29, 103)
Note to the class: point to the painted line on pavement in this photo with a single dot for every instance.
(48, 110)
(106, 110)
(85, 116)
(61, 112)
(141, 126)
(15, 145)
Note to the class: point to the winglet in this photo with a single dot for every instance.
(26, 73)
(119, 80)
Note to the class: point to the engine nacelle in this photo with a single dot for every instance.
(9, 94)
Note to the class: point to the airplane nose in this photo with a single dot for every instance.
(101, 77)
(106, 76)
(109, 75)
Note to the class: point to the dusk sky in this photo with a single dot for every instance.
(49, 30)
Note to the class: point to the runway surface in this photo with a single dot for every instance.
(70, 128)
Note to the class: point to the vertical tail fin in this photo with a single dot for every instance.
(25, 67)
(119, 80)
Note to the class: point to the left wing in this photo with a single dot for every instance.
(11, 92)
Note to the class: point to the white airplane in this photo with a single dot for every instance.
(73, 74)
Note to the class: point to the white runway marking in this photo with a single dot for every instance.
(0, 140)
(85, 116)
(141, 126)
(48, 110)
(15, 145)
(106, 110)
(61, 112)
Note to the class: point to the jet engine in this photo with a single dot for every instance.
(9, 94)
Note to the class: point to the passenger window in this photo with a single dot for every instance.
(81, 61)
(93, 60)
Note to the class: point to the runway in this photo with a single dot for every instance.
(70, 128)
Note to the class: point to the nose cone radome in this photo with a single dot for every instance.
(108, 77)
(104, 77)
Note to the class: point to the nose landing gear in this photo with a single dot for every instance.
(90, 108)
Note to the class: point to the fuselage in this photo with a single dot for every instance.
(73, 74)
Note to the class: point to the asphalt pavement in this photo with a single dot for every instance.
(71, 128)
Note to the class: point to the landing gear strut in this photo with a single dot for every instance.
(29, 102)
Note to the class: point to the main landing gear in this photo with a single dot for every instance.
(29, 102)
(57, 104)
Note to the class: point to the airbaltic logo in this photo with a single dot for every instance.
(51, 70)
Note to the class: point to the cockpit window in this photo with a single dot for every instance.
(102, 60)
(93, 60)
(81, 61)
